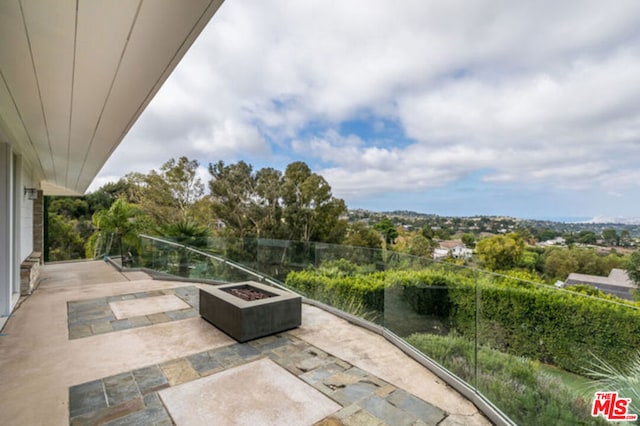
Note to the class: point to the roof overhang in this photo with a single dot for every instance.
(76, 74)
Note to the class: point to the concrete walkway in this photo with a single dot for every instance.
(95, 346)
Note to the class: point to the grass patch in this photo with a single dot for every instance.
(579, 385)
(516, 385)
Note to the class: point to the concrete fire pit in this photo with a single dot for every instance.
(272, 311)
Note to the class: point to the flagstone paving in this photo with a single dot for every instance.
(133, 397)
(141, 396)
(98, 316)
(146, 369)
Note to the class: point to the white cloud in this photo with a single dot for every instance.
(538, 92)
(365, 170)
(227, 138)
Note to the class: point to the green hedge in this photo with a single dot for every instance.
(556, 327)
(427, 293)
(537, 321)
(367, 289)
(521, 318)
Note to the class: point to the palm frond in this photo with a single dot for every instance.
(625, 381)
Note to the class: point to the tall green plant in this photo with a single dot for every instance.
(624, 380)
(186, 232)
(189, 234)
(124, 221)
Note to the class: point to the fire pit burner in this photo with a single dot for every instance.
(248, 293)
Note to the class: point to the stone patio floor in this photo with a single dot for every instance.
(96, 346)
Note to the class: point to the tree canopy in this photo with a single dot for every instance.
(560, 262)
(501, 251)
(387, 229)
(310, 212)
(633, 268)
(361, 235)
(296, 205)
(122, 221)
(168, 195)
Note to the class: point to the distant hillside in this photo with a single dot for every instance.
(497, 224)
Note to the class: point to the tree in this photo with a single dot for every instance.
(421, 246)
(69, 207)
(103, 197)
(526, 235)
(469, 240)
(248, 203)
(361, 235)
(297, 205)
(170, 194)
(588, 261)
(612, 260)
(633, 267)
(65, 242)
(547, 234)
(559, 264)
(427, 232)
(529, 259)
(232, 193)
(69, 226)
(189, 234)
(501, 251)
(123, 221)
(266, 212)
(387, 229)
(443, 233)
(610, 236)
(587, 237)
(310, 211)
(202, 212)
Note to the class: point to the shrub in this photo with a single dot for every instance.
(516, 385)
(427, 292)
(343, 267)
(526, 319)
(367, 289)
(518, 317)
(556, 327)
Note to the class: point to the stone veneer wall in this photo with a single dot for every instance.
(38, 223)
(30, 273)
(30, 267)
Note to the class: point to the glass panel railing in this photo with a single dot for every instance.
(172, 258)
(524, 347)
(119, 250)
(509, 381)
(433, 309)
(533, 343)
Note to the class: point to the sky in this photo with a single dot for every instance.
(528, 109)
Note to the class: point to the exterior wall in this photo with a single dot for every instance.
(16, 224)
(621, 292)
(6, 229)
(26, 216)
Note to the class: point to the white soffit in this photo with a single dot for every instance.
(76, 74)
